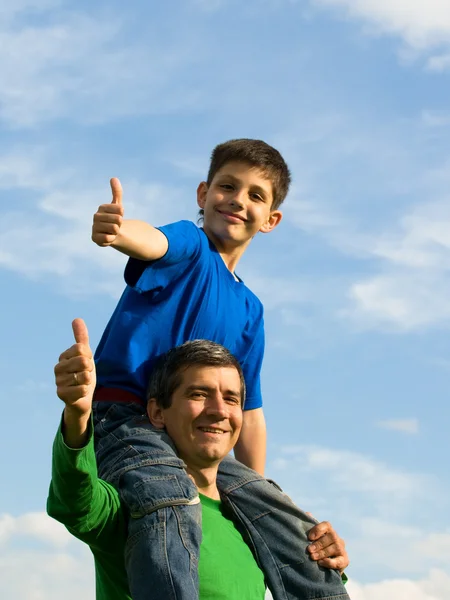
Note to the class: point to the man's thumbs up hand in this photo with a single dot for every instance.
(75, 372)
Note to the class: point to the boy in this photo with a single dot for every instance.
(181, 285)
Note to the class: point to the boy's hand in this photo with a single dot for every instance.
(108, 218)
(75, 374)
(327, 548)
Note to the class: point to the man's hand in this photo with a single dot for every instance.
(327, 547)
(75, 384)
(108, 218)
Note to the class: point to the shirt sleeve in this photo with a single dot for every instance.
(251, 368)
(88, 506)
(184, 243)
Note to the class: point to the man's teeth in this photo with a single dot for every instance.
(211, 430)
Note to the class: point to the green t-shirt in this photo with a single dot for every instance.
(227, 567)
(90, 509)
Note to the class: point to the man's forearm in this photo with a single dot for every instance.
(140, 240)
(251, 446)
(75, 428)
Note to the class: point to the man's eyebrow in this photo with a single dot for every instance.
(208, 388)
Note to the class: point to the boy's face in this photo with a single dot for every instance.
(237, 204)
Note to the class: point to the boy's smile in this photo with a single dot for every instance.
(237, 205)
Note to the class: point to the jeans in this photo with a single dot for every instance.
(164, 510)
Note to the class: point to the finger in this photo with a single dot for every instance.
(320, 529)
(77, 364)
(114, 218)
(106, 228)
(339, 563)
(104, 209)
(75, 379)
(72, 393)
(323, 542)
(116, 189)
(74, 351)
(80, 332)
(331, 551)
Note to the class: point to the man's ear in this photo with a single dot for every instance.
(273, 220)
(202, 190)
(155, 414)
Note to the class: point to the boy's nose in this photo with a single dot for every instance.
(238, 198)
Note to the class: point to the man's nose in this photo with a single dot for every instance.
(217, 406)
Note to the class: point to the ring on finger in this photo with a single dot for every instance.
(75, 378)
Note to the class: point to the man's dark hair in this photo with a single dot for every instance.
(259, 155)
(167, 373)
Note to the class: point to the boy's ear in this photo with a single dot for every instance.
(201, 194)
(155, 414)
(273, 220)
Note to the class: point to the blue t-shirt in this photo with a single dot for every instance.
(188, 294)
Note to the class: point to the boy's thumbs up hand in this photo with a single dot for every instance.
(108, 218)
(75, 373)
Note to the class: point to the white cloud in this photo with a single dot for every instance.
(420, 24)
(436, 586)
(50, 235)
(35, 525)
(78, 65)
(403, 301)
(410, 426)
(355, 472)
(439, 63)
(40, 559)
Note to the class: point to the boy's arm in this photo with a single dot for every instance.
(251, 445)
(134, 238)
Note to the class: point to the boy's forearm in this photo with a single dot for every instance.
(140, 240)
(251, 446)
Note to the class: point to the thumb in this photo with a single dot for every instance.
(80, 332)
(116, 189)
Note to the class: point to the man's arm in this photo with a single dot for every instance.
(86, 505)
(251, 445)
(134, 238)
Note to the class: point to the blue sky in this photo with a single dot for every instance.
(355, 280)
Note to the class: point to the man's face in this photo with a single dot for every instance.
(237, 204)
(205, 418)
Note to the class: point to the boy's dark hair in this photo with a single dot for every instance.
(258, 154)
(167, 373)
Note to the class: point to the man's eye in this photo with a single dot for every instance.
(232, 400)
(198, 395)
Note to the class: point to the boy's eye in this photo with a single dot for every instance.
(226, 186)
(257, 197)
(198, 395)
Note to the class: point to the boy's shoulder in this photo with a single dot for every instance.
(254, 301)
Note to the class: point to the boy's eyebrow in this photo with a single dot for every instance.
(255, 187)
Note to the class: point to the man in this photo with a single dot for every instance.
(196, 396)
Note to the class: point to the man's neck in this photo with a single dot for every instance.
(206, 480)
